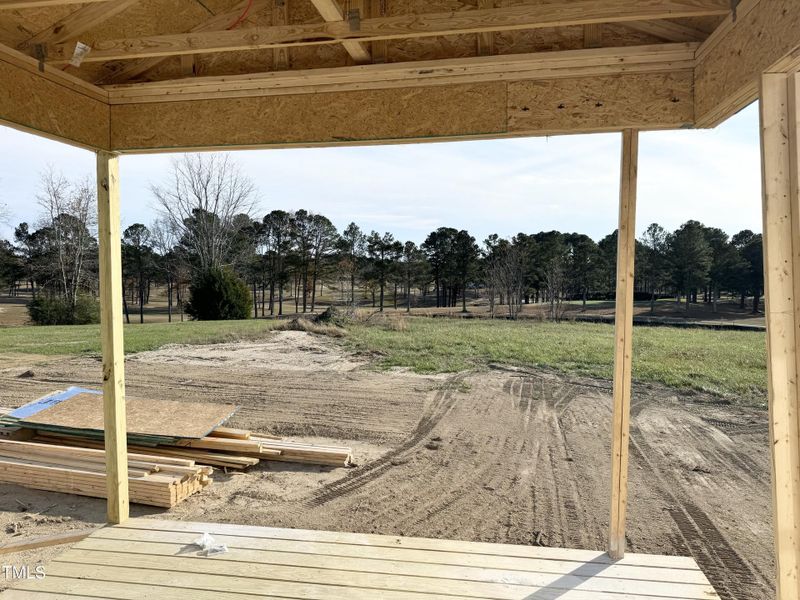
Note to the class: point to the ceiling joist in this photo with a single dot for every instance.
(22, 4)
(78, 22)
(577, 12)
(130, 70)
(543, 65)
(332, 12)
(668, 30)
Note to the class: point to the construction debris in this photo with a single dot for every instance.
(43, 445)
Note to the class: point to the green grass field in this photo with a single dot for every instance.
(730, 363)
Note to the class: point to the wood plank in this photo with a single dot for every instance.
(69, 588)
(623, 346)
(593, 35)
(577, 12)
(478, 548)
(23, 4)
(510, 587)
(331, 11)
(131, 69)
(486, 40)
(110, 243)
(280, 17)
(545, 65)
(780, 147)
(668, 30)
(56, 539)
(402, 561)
(78, 22)
(377, 8)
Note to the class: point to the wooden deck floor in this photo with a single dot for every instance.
(145, 558)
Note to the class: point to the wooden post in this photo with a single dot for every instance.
(780, 153)
(623, 347)
(111, 330)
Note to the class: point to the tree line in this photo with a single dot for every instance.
(209, 252)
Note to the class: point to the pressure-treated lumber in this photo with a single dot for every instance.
(623, 343)
(56, 539)
(131, 69)
(331, 11)
(577, 12)
(543, 65)
(110, 244)
(780, 144)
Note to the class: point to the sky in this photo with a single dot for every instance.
(568, 183)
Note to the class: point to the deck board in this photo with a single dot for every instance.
(147, 558)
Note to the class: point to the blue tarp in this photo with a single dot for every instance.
(36, 406)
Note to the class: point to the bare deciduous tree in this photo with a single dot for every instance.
(201, 202)
(69, 215)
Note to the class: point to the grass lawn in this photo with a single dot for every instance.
(732, 363)
(85, 339)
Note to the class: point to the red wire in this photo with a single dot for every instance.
(243, 16)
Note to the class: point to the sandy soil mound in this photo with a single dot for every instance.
(283, 350)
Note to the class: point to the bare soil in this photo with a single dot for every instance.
(503, 456)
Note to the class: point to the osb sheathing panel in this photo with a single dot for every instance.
(35, 103)
(317, 119)
(727, 77)
(647, 101)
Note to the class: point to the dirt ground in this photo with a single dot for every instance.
(503, 456)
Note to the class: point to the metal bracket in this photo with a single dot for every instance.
(40, 54)
(354, 18)
(734, 6)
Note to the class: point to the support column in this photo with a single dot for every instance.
(623, 347)
(780, 154)
(111, 333)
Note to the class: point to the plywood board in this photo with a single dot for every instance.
(584, 104)
(732, 60)
(163, 418)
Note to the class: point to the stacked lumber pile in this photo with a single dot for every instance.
(152, 480)
(56, 443)
(225, 447)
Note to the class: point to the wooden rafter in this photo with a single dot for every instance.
(577, 12)
(131, 70)
(667, 30)
(331, 12)
(543, 65)
(78, 22)
(22, 4)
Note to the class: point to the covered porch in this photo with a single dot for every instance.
(691, 63)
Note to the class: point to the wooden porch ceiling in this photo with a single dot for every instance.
(524, 67)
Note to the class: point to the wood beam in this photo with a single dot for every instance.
(623, 342)
(544, 65)
(23, 4)
(764, 37)
(76, 23)
(132, 69)
(577, 12)
(780, 144)
(109, 235)
(51, 103)
(668, 30)
(331, 12)
(492, 109)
